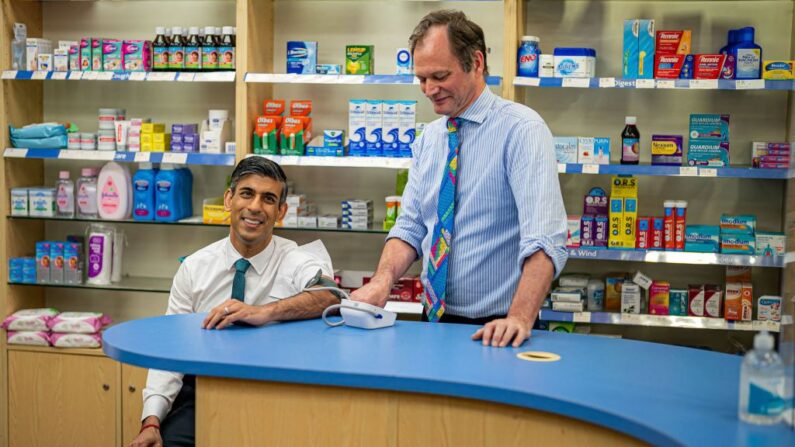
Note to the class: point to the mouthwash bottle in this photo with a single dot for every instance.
(747, 54)
(193, 50)
(227, 49)
(210, 46)
(160, 48)
(176, 58)
(762, 383)
(630, 142)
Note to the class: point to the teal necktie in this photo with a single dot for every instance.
(239, 283)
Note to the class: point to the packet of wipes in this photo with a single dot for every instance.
(79, 322)
(76, 340)
(29, 320)
(30, 338)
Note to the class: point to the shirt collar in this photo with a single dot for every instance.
(478, 110)
(258, 261)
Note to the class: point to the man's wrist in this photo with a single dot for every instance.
(150, 422)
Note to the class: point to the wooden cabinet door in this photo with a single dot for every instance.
(133, 381)
(61, 399)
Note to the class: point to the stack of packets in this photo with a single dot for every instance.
(590, 229)
(709, 140)
(357, 214)
(770, 155)
(735, 235)
(623, 212)
(48, 327)
(300, 213)
(287, 135)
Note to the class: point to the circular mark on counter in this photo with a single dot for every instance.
(538, 356)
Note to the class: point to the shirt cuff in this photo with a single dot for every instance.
(155, 405)
(557, 254)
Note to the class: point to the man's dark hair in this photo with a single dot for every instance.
(263, 167)
(465, 36)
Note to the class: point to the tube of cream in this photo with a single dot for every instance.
(122, 128)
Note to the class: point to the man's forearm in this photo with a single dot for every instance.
(537, 274)
(303, 306)
(396, 258)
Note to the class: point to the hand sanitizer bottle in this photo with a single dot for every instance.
(762, 383)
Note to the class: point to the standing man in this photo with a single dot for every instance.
(482, 206)
(250, 277)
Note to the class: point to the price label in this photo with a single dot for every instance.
(39, 75)
(707, 172)
(590, 169)
(13, 152)
(219, 76)
(577, 82)
(10, 74)
(743, 326)
(688, 171)
(561, 168)
(607, 82)
(581, 317)
(58, 75)
(530, 82)
(633, 319)
(771, 326)
(188, 77)
(75, 75)
(90, 75)
(666, 83)
(67, 154)
(749, 84)
(104, 76)
(141, 157)
(138, 76)
(171, 157)
(704, 84)
(644, 83)
(162, 76)
(101, 155)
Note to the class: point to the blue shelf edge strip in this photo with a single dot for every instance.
(723, 84)
(154, 157)
(674, 171)
(22, 75)
(367, 79)
(676, 257)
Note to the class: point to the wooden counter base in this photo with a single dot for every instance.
(244, 412)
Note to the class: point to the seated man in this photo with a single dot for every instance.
(251, 277)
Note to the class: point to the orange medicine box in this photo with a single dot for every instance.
(739, 301)
(673, 42)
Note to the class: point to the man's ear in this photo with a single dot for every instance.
(228, 199)
(282, 210)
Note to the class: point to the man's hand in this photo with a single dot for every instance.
(375, 292)
(149, 437)
(232, 311)
(500, 332)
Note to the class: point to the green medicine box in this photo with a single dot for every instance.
(359, 59)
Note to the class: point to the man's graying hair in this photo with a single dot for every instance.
(465, 36)
(263, 167)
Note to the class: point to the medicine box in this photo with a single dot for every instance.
(566, 149)
(573, 237)
(768, 308)
(585, 150)
(301, 57)
(666, 150)
(601, 151)
(770, 243)
(743, 224)
(646, 49)
(738, 244)
(359, 60)
(357, 126)
(630, 60)
(709, 127)
(713, 301)
(630, 298)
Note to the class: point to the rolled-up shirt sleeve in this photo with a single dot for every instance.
(533, 178)
(409, 226)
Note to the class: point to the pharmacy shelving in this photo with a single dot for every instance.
(282, 78)
(656, 84)
(189, 158)
(340, 162)
(156, 76)
(671, 321)
(737, 172)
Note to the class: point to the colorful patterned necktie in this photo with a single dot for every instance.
(239, 283)
(443, 229)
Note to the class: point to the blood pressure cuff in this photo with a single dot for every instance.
(321, 281)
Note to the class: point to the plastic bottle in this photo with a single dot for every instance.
(166, 194)
(226, 51)
(160, 50)
(114, 199)
(596, 295)
(187, 198)
(210, 46)
(630, 142)
(747, 54)
(730, 65)
(87, 194)
(762, 383)
(18, 47)
(193, 50)
(144, 193)
(64, 196)
(176, 50)
(527, 59)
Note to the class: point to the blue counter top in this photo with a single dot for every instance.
(661, 394)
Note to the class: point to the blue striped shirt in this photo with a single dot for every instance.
(508, 203)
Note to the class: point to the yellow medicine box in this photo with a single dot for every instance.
(160, 137)
(778, 70)
(146, 147)
(147, 138)
(152, 128)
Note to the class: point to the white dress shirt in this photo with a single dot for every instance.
(204, 280)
